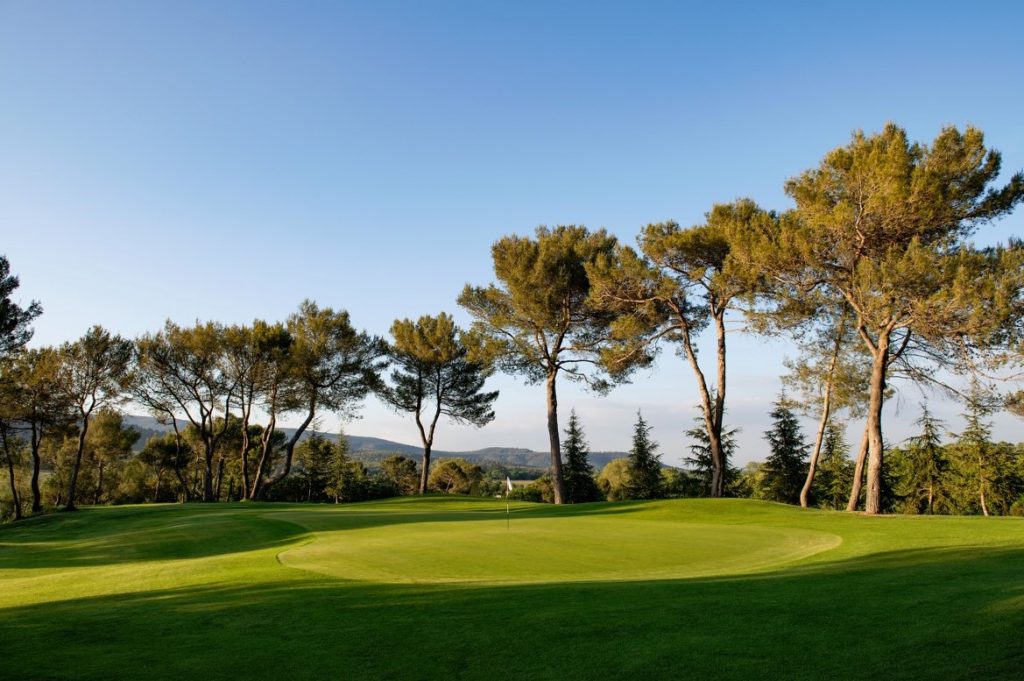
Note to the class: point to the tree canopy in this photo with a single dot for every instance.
(539, 320)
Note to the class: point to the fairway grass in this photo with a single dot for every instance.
(449, 588)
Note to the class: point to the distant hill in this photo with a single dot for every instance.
(372, 449)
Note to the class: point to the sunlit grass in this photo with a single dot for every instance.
(443, 588)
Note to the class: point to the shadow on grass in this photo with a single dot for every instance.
(928, 614)
(127, 534)
(109, 534)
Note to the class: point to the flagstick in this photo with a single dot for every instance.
(508, 514)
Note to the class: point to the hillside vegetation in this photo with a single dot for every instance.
(451, 588)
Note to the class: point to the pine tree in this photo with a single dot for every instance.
(975, 446)
(701, 459)
(925, 465)
(578, 474)
(644, 464)
(346, 477)
(835, 470)
(784, 469)
(316, 456)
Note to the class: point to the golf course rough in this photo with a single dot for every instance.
(449, 587)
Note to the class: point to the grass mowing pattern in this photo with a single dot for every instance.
(438, 588)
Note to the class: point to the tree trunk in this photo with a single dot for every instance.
(289, 452)
(208, 468)
(879, 365)
(858, 473)
(266, 445)
(99, 483)
(185, 492)
(245, 455)
(427, 438)
(717, 454)
(981, 487)
(156, 489)
(10, 472)
(37, 462)
(557, 486)
(220, 478)
(712, 420)
(425, 471)
(826, 409)
(78, 462)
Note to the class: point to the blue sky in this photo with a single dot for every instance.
(226, 160)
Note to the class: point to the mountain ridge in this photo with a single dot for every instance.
(375, 448)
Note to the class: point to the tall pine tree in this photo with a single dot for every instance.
(578, 474)
(835, 470)
(784, 469)
(975, 448)
(644, 464)
(701, 459)
(924, 467)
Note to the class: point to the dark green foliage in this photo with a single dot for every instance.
(539, 321)
(402, 472)
(433, 377)
(315, 456)
(457, 476)
(347, 478)
(921, 468)
(529, 492)
(15, 331)
(580, 485)
(701, 462)
(645, 481)
(835, 470)
(982, 471)
(784, 470)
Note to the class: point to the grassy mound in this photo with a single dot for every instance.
(443, 588)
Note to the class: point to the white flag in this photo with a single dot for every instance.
(508, 483)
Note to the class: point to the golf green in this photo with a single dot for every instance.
(452, 588)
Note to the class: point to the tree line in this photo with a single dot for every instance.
(872, 274)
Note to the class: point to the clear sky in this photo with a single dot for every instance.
(226, 160)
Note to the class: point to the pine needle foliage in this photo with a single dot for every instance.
(645, 481)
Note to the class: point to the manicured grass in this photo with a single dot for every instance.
(440, 588)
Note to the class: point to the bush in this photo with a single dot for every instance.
(526, 493)
(1017, 507)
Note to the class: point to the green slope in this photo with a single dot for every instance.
(442, 588)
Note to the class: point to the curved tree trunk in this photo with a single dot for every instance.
(858, 472)
(826, 410)
(289, 453)
(78, 462)
(819, 437)
(557, 485)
